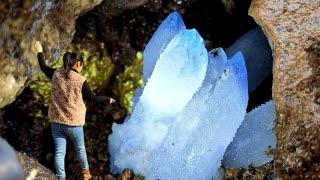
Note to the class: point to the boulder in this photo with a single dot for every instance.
(292, 29)
(24, 22)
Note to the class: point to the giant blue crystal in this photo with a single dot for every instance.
(187, 114)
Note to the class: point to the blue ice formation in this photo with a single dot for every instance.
(168, 29)
(187, 114)
(248, 146)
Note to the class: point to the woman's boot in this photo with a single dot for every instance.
(86, 174)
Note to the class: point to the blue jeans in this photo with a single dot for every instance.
(60, 132)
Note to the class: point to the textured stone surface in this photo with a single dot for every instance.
(33, 168)
(292, 29)
(23, 22)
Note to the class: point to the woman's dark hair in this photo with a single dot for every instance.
(69, 59)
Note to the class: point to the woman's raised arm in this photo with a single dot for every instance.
(48, 71)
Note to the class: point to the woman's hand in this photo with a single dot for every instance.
(112, 101)
(38, 47)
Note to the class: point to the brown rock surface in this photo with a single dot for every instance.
(23, 22)
(33, 168)
(293, 30)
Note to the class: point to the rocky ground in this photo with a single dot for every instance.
(33, 169)
(264, 172)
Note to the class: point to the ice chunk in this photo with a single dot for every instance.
(168, 29)
(253, 137)
(178, 74)
(257, 54)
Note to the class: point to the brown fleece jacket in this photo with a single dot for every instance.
(67, 105)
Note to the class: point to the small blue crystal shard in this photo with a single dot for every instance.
(168, 29)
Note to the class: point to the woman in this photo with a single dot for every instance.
(70, 91)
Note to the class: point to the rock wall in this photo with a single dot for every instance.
(23, 22)
(292, 29)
